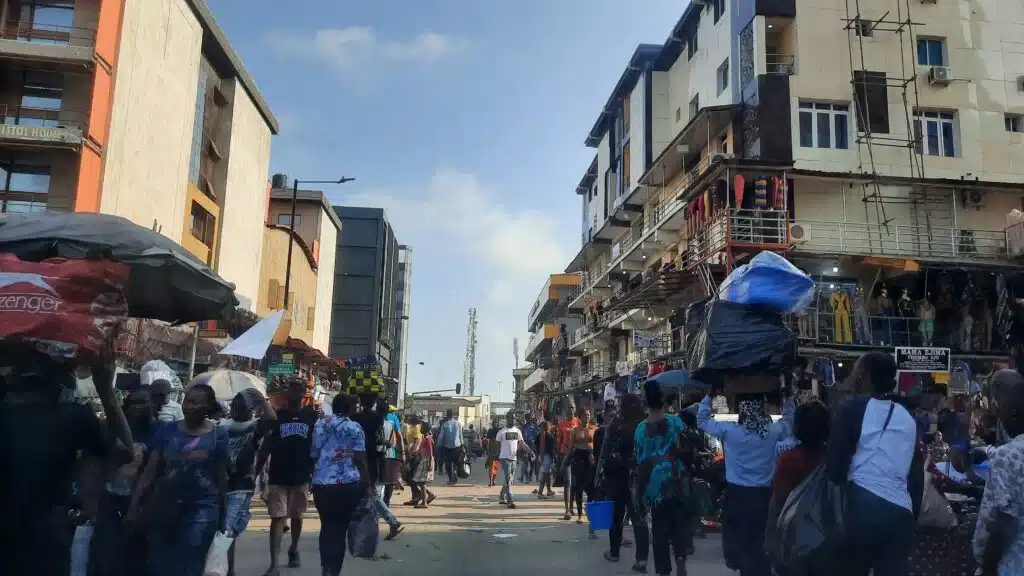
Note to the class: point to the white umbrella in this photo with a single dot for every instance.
(228, 383)
(253, 343)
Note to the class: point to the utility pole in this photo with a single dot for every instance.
(291, 230)
(469, 366)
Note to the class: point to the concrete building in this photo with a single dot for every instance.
(140, 109)
(403, 303)
(867, 147)
(317, 229)
(471, 410)
(366, 284)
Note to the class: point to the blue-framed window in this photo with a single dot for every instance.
(935, 133)
(931, 51)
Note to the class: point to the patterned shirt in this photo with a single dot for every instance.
(336, 439)
(1004, 494)
(655, 458)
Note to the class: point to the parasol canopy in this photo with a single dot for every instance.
(166, 283)
(228, 383)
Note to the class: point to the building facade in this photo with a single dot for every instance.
(366, 285)
(140, 109)
(879, 151)
(403, 304)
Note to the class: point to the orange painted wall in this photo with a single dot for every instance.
(99, 110)
(90, 172)
(108, 30)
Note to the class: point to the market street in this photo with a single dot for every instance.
(466, 532)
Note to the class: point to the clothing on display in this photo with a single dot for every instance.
(761, 193)
(966, 327)
(840, 302)
(738, 184)
(861, 322)
(926, 312)
(780, 191)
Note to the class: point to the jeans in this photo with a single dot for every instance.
(335, 504)
(508, 468)
(377, 499)
(625, 508)
(669, 526)
(115, 551)
(567, 486)
(879, 535)
(450, 459)
(582, 473)
(526, 471)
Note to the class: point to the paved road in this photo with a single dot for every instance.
(466, 532)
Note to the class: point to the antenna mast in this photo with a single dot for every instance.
(469, 368)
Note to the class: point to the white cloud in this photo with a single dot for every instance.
(358, 49)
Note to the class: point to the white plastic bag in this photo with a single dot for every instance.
(217, 557)
(80, 550)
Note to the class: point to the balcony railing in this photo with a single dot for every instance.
(780, 63)
(24, 123)
(900, 240)
(48, 34)
(765, 228)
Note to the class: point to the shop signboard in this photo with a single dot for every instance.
(922, 359)
(282, 366)
(643, 340)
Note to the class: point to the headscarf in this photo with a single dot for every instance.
(754, 417)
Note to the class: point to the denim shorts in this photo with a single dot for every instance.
(237, 518)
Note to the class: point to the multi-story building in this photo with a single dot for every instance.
(403, 302)
(317, 229)
(366, 278)
(879, 151)
(140, 109)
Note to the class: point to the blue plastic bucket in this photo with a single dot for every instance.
(600, 514)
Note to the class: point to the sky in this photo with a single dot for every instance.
(465, 121)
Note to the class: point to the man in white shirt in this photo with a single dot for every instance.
(511, 439)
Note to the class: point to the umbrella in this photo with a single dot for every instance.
(228, 383)
(167, 282)
(253, 343)
(678, 379)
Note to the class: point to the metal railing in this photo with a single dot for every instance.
(821, 327)
(736, 226)
(48, 34)
(900, 240)
(780, 63)
(44, 117)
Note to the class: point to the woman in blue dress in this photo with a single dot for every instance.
(184, 488)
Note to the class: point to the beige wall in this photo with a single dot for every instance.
(147, 156)
(984, 51)
(245, 196)
(328, 236)
(303, 281)
(310, 215)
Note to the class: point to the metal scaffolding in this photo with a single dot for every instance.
(469, 366)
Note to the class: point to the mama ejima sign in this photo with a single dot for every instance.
(40, 134)
(911, 359)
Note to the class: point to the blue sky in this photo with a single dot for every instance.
(465, 120)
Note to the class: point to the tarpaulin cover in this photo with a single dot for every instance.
(65, 308)
(771, 281)
(738, 338)
(166, 281)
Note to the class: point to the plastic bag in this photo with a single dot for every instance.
(463, 469)
(363, 532)
(737, 338)
(217, 556)
(809, 524)
(935, 509)
(771, 281)
(80, 550)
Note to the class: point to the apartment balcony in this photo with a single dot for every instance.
(56, 46)
(558, 290)
(780, 64)
(540, 342)
(42, 128)
(732, 232)
(898, 241)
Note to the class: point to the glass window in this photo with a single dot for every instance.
(694, 106)
(284, 219)
(23, 206)
(691, 46)
(1012, 123)
(201, 224)
(931, 52)
(35, 180)
(935, 133)
(824, 125)
(24, 187)
(723, 76)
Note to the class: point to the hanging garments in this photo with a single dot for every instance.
(738, 183)
(781, 190)
(861, 323)
(841, 309)
(701, 210)
(761, 193)
(708, 204)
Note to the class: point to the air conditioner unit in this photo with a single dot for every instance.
(720, 156)
(798, 233)
(940, 76)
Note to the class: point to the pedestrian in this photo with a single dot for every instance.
(512, 441)
(185, 485)
(43, 438)
(999, 536)
(663, 458)
(424, 470)
(493, 451)
(116, 550)
(340, 479)
(287, 445)
(750, 453)
(583, 462)
(564, 438)
(371, 416)
(530, 433)
(546, 453)
(872, 453)
(166, 409)
(618, 470)
(394, 456)
(450, 443)
(245, 434)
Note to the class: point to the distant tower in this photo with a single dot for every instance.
(469, 368)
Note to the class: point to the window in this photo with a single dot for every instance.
(723, 76)
(691, 45)
(871, 90)
(935, 133)
(931, 51)
(679, 113)
(24, 187)
(625, 116)
(46, 21)
(285, 219)
(865, 28)
(824, 125)
(625, 170)
(719, 8)
(1012, 122)
(201, 224)
(694, 106)
(723, 144)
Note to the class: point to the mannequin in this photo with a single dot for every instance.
(926, 312)
(841, 309)
(883, 310)
(966, 327)
(861, 323)
(905, 306)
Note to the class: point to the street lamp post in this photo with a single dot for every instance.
(291, 226)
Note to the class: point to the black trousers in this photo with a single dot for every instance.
(335, 504)
(745, 512)
(451, 460)
(582, 480)
(670, 525)
(626, 508)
